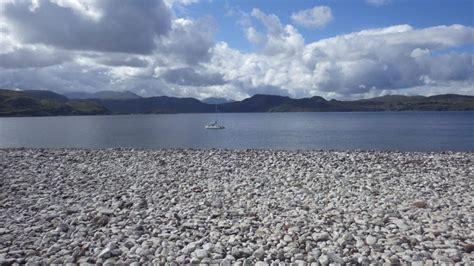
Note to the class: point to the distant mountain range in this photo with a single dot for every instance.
(214, 100)
(116, 95)
(40, 103)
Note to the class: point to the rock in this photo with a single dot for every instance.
(201, 253)
(225, 262)
(62, 227)
(469, 248)
(370, 240)
(53, 249)
(208, 246)
(181, 259)
(320, 236)
(333, 257)
(101, 220)
(259, 254)
(453, 254)
(236, 252)
(174, 207)
(420, 204)
(110, 262)
(105, 253)
(299, 256)
(401, 224)
(189, 248)
(324, 260)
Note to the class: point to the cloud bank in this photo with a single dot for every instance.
(142, 46)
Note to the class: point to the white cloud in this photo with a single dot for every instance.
(170, 3)
(185, 60)
(378, 2)
(278, 38)
(316, 17)
(369, 62)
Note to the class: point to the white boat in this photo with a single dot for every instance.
(214, 125)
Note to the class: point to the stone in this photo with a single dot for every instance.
(189, 248)
(208, 246)
(225, 262)
(324, 236)
(62, 227)
(201, 253)
(370, 240)
(259, 254)
(324, 260)
(181, 259)
(333, 257)
(53, 249)
(236, 252)
(420, 204)
(105, 253)
(299, 256)
(183, 206)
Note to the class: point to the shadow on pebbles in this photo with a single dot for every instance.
(124, 206)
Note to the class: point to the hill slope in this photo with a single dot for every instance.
(214, 100)
(105, 95)
(44, 103)
(155, 105)
(49, 103)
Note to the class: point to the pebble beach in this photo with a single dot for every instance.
(235, 207)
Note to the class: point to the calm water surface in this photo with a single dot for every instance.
(408, 131)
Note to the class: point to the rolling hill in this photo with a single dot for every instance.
(44, 103)
(36, 103)
(104, 95)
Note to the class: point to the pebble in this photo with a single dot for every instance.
(370, 240)
(242, 207)
(324, 260)
(201, 253)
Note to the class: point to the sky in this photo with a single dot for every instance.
(337, 49)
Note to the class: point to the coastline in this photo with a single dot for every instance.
(235, 206)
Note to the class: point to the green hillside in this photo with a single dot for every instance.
(44, 103)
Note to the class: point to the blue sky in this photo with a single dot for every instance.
(342, 49)
(349, 15)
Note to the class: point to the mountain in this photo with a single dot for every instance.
(445, 102)
(44, 103)
(155, 105)
(49, 103)
(42, 94)
(275, 103)
(115, 95)
(215, 100)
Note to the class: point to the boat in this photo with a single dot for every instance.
(214, 125)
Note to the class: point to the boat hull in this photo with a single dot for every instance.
(214, 127)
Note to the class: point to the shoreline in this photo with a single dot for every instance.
(289, 112)
(219, 206)
(139, 149)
